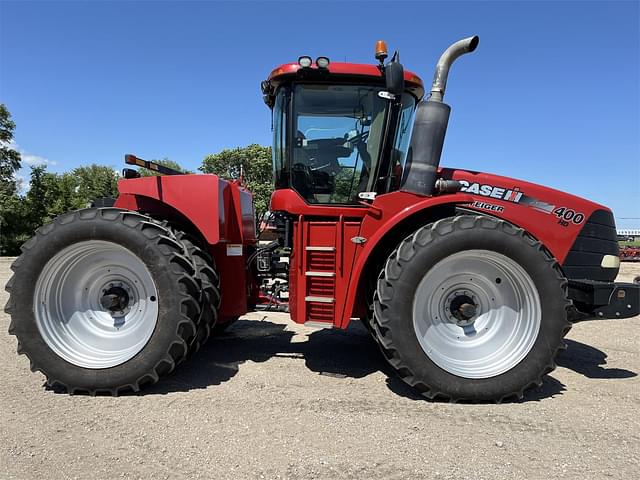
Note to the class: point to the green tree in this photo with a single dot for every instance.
(12, 230)
(254, 161)
(9, 158)
(61, 194)
(42, 189)
(52, 194)
(145, 172)
(95, 181)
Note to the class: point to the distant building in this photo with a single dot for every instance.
(628, 234)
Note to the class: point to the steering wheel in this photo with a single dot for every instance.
(302, 179)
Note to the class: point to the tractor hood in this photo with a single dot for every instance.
(580, 234)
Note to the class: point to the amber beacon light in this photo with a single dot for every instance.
(382, 51)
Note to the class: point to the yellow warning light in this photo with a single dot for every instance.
(382, 51)
(415, 79)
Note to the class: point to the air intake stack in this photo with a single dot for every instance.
(430, 125)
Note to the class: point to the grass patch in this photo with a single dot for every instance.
(625, 243)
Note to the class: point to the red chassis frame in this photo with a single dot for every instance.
(334, 246)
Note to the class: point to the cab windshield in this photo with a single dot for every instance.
(337, 136)
(328, 141)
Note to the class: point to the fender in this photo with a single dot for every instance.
(387, 212)
(553, 217)
(221, 211)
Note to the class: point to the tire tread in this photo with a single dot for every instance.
(181, 269)
(405, 252)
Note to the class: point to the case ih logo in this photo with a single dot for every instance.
(492, 191)
(513, 196)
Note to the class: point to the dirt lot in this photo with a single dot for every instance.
(272, 399)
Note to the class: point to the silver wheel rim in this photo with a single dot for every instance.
(490, 340)
(70, 314)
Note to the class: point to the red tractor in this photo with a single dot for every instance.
(467, 281)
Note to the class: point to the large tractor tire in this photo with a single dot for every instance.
(209, 325)
(103, 300)
(209, 280)
(471, 308)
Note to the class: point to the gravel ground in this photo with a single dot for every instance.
(272, 399)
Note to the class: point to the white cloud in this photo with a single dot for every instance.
(34, 160)
(29, 158)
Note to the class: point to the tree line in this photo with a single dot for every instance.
(49, 194)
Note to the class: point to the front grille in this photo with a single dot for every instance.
(597, 238)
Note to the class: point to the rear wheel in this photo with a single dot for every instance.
(471, 308)
(207, 276)
(103, 300)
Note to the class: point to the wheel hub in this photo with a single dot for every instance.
(463, 309)
(95, 304)
(476, 313)
(116, 299)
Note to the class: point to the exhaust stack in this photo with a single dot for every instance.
(430, 125)
(439, 85)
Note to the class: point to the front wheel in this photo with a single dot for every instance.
(471, 308)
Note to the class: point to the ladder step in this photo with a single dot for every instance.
(320, 249)
(312, 298)
(318, 324)
(320, 274)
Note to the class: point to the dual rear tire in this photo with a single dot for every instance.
(109, 300)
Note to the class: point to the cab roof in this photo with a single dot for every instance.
(339, 71)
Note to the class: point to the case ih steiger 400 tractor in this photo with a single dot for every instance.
(467, 281)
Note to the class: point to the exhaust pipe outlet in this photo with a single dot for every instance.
(439, 85)
(430, 126)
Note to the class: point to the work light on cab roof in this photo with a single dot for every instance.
(306, 61)
(322, 62)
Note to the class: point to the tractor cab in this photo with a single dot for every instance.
(340, 129)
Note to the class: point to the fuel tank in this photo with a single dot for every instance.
(581, 234)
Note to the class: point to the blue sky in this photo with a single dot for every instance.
(550, 96)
